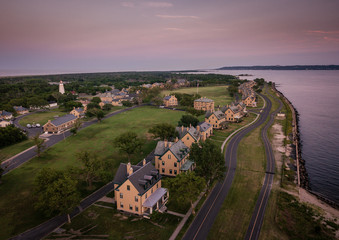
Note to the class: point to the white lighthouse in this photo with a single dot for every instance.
(61, 88)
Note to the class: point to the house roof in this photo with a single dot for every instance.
(142, 178)
(63, 119)
(204, 126)
(19, 108)
(167, 97)
(192, 131)
(203, 99)
(233, 108)
(5, 113)
(79, 110)
(179, 149)
(155, 197)
(218, 114)
(187, 165)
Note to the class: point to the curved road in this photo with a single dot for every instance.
(203, 222)
(254, 228)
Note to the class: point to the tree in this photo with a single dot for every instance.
(232, 90)
(107, 107)
(56, 192)
(92, 105)
(1, 172)
(99, 114)
(210, 163)
(195, 112)
(39, 143)
(127, 103)
(91, 167)
(186, 187)
(187, 120)
(76, 126)
(128, 143)
(10, 135)
(163, 131)
(96, 100)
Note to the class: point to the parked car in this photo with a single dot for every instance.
(33, 125)
(28, 126)
(38, 125)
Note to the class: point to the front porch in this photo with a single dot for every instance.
(155, 202)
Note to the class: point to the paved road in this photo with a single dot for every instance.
(203, 222)
(254, 228)
(53, 139)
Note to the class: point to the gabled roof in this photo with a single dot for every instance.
(218, 114)
(63, 119)
(233, 108)
(192, 131)
(142, 176)
(5, 113)
(204, 126)
(79, 110)
(179, 149)
(167, 97)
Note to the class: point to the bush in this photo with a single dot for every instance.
(10, 135)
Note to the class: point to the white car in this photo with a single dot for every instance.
(37, 125)
(28, 126)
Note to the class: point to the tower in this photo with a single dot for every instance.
(61, 88)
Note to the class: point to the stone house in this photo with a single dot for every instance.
(4, 123)
(60, 124)
(5, 115)
(20, 110)
(171, 158)
(78, 112)
(232, 113)
(204, 104)
(137, 189)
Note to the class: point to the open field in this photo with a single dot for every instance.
(117, 226)
(219, 94)
(18, 184)
(41, 117)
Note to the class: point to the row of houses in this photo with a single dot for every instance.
(115, 97)
(248, 94)
(138, 187)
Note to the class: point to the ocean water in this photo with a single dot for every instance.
(315, 95)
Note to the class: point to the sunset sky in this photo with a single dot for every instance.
(113, 35)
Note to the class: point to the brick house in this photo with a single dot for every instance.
(232, 113)
(5, 115)
(170, 101)
(217, 119)
(171, 158)
(78, 112)
(188, 135)
(137, 189)
(20, 110)
(205, 129)
(204, 104)
(60, 124)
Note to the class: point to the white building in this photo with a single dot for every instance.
(61, 88)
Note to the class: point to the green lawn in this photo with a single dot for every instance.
(18, 184)
(41, 117)
(219, 94)
(14, 149)
(117, 226)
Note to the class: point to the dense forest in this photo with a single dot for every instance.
(278, 67)
(38, 90)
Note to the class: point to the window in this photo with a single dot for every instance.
(163, 163)
(128, 187)
(188, 138)
(175, 172)
(121, 205)
(145, 195)
(170, 171)
(169, 156)
(151, 190)
(157, 186)
(130, 207)
(136, 198)
(163, 170)
(121, 195)
(136, 209)
(175, 164)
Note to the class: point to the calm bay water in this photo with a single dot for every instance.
(315, 95)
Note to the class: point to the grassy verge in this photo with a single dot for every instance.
(117, 226)
(12, 150)
(18, 184)
(41, 117)
(236, 211)
(219, 94)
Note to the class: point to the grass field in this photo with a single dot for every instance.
(18, 184)
(219, 94)
(117, 226)
(12, 150)
(41, 117)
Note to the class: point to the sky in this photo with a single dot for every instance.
(139, 35)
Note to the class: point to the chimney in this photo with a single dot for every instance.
(73, 108)
(144, 162)
(198, 127)
(169, 145)
(182, 128)
(130, 171)
(190, 125)
(176, 139)
(128, 167)
(187, 129)
(165, 143)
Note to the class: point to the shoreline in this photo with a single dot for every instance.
(302, 175)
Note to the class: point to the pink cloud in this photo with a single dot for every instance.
(159, 4)
(176, 17)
